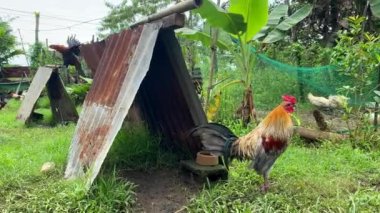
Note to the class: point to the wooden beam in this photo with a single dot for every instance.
(62, 106)
(174, 21)
(38, 83)
(316, 135)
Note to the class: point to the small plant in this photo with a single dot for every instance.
(356, 56)
(78, 92)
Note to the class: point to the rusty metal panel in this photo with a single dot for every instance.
(92, 53)
(38, 83)
(123, 66)
(15, 72)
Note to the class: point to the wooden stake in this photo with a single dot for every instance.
(37, 15)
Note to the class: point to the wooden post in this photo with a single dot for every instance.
(23, 47)
(37, 15)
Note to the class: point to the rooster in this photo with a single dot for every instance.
(263, 145)
(70, 54)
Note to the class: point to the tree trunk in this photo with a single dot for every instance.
(213, 67)
(247, 109)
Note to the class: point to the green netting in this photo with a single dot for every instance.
(321, 80)
(272, 78)
(286, 67)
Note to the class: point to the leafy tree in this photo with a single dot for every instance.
(40, 55)
(329, 16)
(357, 56)
(127, 12)
(7, 44)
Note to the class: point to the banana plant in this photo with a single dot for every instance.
(280, 23)
(244, 17)
(203, 37)
(243, 20)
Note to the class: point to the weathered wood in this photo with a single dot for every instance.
(38, 83)
(181, 7)
(62, 106)
(320, 119)
(174, 21)
(187, 87)
(316, 135)
(202, 173)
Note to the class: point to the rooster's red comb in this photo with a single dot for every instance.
(289, 98)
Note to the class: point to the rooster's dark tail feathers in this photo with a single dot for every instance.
(215, 138)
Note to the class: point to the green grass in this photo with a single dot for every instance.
(23, 188)
(304, 179)
(315, 178)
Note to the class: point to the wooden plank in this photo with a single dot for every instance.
(187, 87)
(38, 83)
(62, 106)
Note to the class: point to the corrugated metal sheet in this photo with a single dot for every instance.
(122, 68)
(93, 53)
(15, 72)
(38, 83)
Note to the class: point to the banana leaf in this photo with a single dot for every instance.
(204, 38)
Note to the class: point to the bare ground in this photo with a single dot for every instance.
(162, 191)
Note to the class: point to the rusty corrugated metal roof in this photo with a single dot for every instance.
(13, 72)
(122, 68)
(93, 53)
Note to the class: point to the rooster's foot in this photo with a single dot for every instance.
(265, 187)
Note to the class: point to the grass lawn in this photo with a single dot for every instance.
(330, 177)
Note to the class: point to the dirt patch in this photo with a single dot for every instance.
(159, 191)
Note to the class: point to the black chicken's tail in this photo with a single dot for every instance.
(216, 139)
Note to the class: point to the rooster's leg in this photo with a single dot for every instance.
(265, 186)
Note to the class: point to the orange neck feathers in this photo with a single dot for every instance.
(278, 116)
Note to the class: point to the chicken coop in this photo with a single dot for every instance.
(139, 72)
(62, 107)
